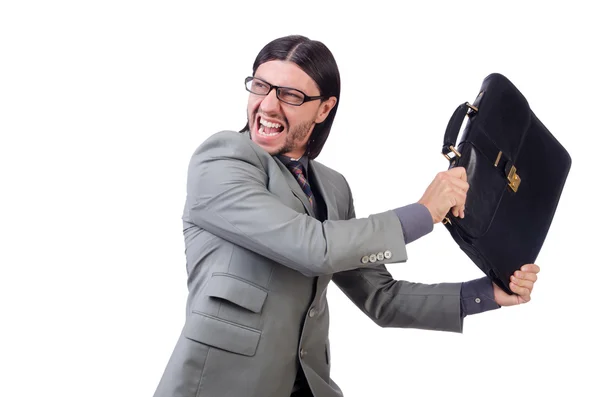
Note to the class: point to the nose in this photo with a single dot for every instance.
(270, 102)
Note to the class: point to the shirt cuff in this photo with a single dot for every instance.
(477, 296)
(416, 221)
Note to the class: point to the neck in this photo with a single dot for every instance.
(296, 154)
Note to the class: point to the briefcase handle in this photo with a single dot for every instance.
(453, 129)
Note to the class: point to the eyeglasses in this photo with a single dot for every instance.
(291, 96)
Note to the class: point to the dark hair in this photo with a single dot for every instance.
(315, 59)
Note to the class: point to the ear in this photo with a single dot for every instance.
(325, 108)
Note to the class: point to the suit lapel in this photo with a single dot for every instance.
(325, 186)
(295, 187)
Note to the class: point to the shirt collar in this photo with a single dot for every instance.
(303, 160)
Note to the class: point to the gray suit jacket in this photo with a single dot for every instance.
(258, 266)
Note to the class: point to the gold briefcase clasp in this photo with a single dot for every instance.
(514, 180)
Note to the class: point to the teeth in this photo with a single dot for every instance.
(261, 131)
(269, 124)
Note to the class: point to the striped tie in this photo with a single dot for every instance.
(298, 172)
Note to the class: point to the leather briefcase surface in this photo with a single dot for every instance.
(516, 170)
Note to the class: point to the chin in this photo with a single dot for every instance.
(269, 147)
(272, 150)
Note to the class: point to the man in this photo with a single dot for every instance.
(267, 227)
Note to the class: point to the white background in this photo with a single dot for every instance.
(103, 103)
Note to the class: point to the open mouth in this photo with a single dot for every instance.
(268, 128)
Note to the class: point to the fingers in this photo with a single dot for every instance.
(522, 281)
(525, 276)
(447, 192)
(458, 172)
(462, 185)
(523, 292)
(456, 177)
(458, 181)
(460, 197)
(531, 268)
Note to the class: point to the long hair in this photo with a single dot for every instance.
(315, 59)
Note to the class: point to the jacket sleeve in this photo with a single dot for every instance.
(397, 303)
(228, 195)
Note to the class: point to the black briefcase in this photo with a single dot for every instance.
(516, 171)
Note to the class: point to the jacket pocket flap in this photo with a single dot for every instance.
(237, 291)
(222, 334)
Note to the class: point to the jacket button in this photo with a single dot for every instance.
(312, 312)
(365, 259)
(387, 254)
(380, 256)
(373, 258)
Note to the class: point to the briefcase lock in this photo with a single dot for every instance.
(513, 179)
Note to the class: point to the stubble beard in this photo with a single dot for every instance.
(295, 138)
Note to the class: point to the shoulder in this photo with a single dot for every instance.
(225, 141)
(230, 145)
(322, 169)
